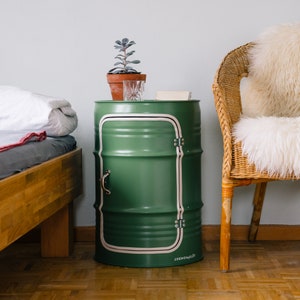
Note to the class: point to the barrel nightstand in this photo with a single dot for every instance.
(148, 183)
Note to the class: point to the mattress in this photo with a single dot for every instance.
(23, 157)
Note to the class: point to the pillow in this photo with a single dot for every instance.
(272, 87)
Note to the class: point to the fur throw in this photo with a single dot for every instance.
(269, 128)
(272, 87)
(271, 143)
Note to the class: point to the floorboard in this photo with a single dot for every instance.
(263, 270)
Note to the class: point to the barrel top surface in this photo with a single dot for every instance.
(145, 101)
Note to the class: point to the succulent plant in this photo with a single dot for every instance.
(122, 66)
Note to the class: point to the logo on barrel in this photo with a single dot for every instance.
(185, 257)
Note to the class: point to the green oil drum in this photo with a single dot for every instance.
(148, 183)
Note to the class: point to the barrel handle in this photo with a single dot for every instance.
(102, 180)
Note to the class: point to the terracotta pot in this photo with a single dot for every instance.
(116, 83)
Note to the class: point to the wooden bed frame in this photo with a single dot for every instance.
(42, 195)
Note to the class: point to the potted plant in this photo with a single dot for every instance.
(122, 69)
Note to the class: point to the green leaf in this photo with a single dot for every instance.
(130, 53)
(120, 56)
(119, 63)
(125, 41)
(136, 61)
(130, 44)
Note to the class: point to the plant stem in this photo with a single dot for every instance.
(125, 56)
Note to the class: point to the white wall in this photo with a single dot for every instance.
(65, 48)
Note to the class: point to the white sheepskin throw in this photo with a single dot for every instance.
(271, 143)
(273, 85)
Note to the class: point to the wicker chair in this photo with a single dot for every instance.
(236, 170)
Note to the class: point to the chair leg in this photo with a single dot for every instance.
(227, 195)
(258, 201)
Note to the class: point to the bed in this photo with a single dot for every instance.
(40, 194)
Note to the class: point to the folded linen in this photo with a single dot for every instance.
(29, 112)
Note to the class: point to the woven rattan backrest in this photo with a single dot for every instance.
(226, 88)
(228, 77)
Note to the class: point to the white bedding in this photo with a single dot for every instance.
(23, 112)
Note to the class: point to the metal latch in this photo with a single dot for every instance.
(180, 223)
(178, 141)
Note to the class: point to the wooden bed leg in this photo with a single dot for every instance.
(57, 233)
(258, 201)
(227, 195)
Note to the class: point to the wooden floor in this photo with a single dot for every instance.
(264, 270)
